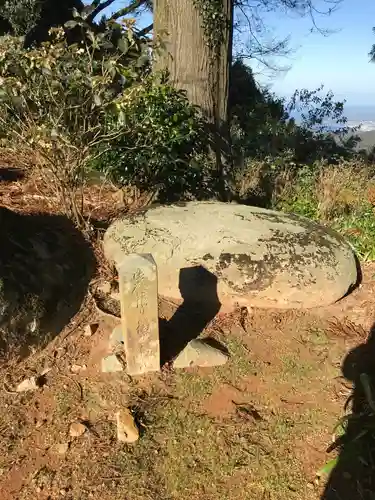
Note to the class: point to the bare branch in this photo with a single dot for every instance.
(98, 9)
(145, 31)
(261, 45)
(134, 5)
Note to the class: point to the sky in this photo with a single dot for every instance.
(340, 61)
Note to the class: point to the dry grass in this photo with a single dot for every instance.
(342, 189)
(325, 191)
(250, 180)
(261, 184)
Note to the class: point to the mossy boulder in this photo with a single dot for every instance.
(261, 258)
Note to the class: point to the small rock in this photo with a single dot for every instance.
(61, 448)
(105, 287)
(77, 429)
(111, 364)
(116, 338)
(77, 368)
(200, 353)
(90, 329)
(127, 431)
(29, 384)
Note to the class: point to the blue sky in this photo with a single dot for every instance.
(339, 61)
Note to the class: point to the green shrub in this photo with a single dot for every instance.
(299, 194)
(359, 229)
(163, 138)
(263, 126)
(57, 101)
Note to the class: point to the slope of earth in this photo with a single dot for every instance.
(256, 428)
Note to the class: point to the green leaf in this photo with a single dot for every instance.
(121, 118)
(97, 100)
(46, 71)
(71, 24)
(107, 45)
(142, 60)
(91, 36)
(123, 45)
(328, 467)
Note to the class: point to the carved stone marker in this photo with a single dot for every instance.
(139, 312)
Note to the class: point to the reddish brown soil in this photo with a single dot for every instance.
(287, 379)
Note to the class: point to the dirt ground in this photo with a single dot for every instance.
(255, 428)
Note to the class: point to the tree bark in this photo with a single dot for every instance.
(201, 70)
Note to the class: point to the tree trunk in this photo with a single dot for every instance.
(197, 67)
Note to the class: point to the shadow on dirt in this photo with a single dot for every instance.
(353, 477)
(198, 288)
(10, 174)
(45, 268)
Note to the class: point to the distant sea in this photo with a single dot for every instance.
(363, 116)
(358, 116)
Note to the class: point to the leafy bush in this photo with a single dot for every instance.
(21, 16)
(359, 229)
(264, 129)
(163, 140)
(304, 168)
(58, 100)
(259, 120)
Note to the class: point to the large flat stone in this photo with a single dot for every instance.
(261, 258)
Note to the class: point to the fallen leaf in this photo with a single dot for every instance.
(77, 368)
(127, 431)
(29, 384)
(61, 448)
(45, 371)
(77, 429)
(105, 287)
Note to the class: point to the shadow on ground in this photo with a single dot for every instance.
(10, 174)
(353, 478)
(198, 288)
(45, 269)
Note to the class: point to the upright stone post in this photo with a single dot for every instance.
(139, 312)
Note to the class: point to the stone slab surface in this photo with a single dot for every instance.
(110, 364)
(261, 258)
